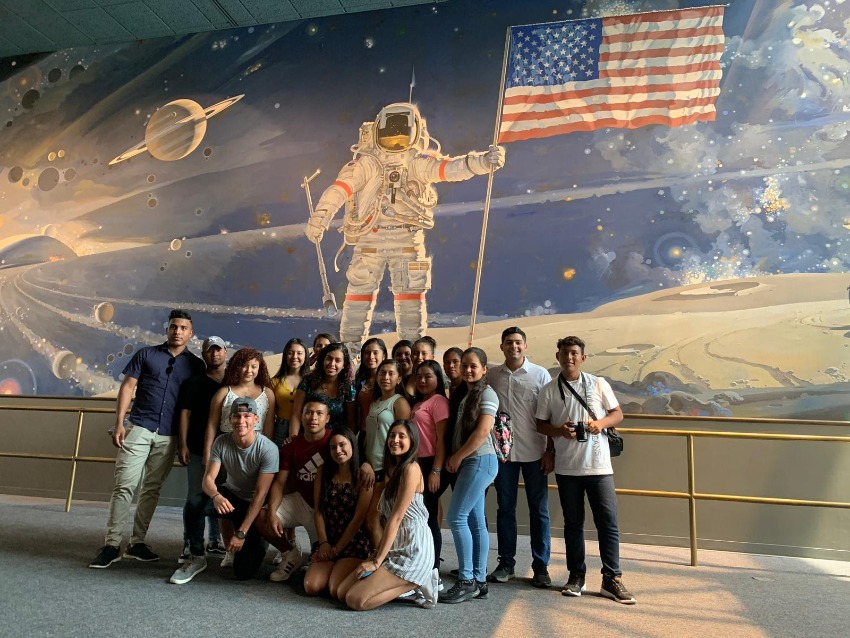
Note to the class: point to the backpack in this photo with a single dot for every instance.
(503, 437)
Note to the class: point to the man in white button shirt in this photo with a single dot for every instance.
(518, 382)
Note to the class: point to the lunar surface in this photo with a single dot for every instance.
(763, 346)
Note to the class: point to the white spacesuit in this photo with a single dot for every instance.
(389, 201)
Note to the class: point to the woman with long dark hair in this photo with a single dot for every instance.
(372, 353)
(404, 556)
(329, 382)
(319, 342)
(293, 367)
(430, 412)
(473, 458)
(246, 375)
(451, 366)
(388, 406)
(339, 515)
(403, 354)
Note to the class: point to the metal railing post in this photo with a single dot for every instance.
(74, 460)
(692, 501)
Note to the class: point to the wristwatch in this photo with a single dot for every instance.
(240, 534)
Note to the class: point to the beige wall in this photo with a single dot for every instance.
(799, 470)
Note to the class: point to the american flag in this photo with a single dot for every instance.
(619, 72)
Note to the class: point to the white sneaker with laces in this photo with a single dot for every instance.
(227, 561)
(292, 562)
(191, 568)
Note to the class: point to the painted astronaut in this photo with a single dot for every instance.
(389, 198)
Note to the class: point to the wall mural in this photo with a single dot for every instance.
(696, 237)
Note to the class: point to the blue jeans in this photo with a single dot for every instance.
(603, 503)
(466, 515)
(537, 495)
(198, 505)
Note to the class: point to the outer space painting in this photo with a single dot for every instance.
(705, 265)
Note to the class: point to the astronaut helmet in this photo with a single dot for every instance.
(400, 127)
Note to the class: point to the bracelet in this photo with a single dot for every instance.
(323, 543)
(436, 470)
(214, 495)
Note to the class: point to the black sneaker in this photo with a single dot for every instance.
(186, 555)
(107, 555)
(614, 589)
(483, 590)
(574, 586)
(141, 552)
(460, 592)
(541, 578)
(502, 574)
(216, 548)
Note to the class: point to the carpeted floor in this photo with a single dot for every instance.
(46, 590)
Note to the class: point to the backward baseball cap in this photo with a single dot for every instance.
(243, 404)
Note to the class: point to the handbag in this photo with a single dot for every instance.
(615, 441)
(503, 436)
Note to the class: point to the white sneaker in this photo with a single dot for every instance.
(227, 561)
(292, 562)
(191, 568)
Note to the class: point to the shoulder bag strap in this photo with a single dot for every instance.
(562, 382)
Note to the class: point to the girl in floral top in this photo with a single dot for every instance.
(341, 505)
(331, 383)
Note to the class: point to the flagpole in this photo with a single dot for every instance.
(480, 264)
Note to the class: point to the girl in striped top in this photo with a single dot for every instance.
(404, 557)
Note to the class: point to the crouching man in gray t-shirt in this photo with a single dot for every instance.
(251, 462)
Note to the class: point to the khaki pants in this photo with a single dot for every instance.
(144, 462)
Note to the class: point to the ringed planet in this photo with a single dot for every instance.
(176, 129)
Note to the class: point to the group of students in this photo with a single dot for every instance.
(359, 459)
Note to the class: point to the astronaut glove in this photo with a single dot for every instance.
(482, 162)
(495, 156)
(315, 230)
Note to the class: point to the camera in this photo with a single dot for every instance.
(581, 432)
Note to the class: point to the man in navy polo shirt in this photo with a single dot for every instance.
(146, 438)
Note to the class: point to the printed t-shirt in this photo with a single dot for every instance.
(302, 459)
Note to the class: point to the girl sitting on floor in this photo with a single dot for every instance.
(341, 506)
(404, 558)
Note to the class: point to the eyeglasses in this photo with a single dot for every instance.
(170, 367)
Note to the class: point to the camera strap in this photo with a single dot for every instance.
(583, 401)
